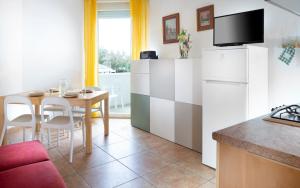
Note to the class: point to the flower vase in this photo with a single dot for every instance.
(184, 51)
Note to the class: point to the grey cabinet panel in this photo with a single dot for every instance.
(140, 111)
(162, 79)
(188, 125)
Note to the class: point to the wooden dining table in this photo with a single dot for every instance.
(86, 100)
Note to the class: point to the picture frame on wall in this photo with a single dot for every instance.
(205, 18)
(171, 28)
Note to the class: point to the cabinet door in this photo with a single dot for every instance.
(140, 84)
(162, 79)
(188, 125)
(224, 105)
(140, 111)
(162, 118)
(226, 65)
(188, 81)
(140, 67)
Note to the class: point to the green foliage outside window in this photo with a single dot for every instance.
(118, 61)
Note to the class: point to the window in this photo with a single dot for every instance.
(114, 42)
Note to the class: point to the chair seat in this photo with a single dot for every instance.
(37, 175)
(82, 110)
(63, 120)
(15, 155)
(54, 108)
(27, 118)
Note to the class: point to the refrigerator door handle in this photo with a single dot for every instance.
(225, 82)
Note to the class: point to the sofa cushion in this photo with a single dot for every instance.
(15, 155)
(37, 175)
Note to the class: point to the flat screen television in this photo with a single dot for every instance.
(238, 29)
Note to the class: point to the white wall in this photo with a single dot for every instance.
(284, 80)
(10, 46)
(41, 42)
(52, 45)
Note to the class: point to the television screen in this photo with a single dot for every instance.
(238, 29)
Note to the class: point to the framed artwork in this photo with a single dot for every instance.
(205, 18)
(170, 28)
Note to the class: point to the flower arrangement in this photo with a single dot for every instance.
(184, 43)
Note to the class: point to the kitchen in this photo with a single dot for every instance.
(264, 150)
(256, 67)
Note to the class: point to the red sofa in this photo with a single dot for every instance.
(28, 165)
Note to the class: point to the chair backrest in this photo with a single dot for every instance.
(17, 100)
(59, 102)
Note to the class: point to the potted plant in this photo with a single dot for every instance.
(184, 43)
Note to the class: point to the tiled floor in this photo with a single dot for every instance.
(129, 158)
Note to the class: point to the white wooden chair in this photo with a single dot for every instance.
(24, 120)
(81, 111)
(67, 122)
(54, 109)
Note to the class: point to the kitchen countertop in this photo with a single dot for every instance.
(274, 141)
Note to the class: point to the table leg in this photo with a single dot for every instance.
(106, 116)
(37, 109)
(2, 120)
(88, 126)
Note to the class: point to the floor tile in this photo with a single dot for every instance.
(64, 167)
(195, 166)
(143, 163)
(108, 175)
(173, 152)
(213, 180)
(208, 185)
(75, 181)
(64, 147)
(83, 161)
(98, 129)
(151, 141)
(131, 133)
(136, 183)
(174, 176)
(102, 140)
(54, 154)
(123, 149)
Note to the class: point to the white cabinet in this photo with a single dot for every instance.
(162, 118)
(188, 81)
(235, 89)
(140, 67)
(226, 64)
(168, 93)
(140, 77)
(162, 79)
(224, 104)
(140, 94)
(140, 84)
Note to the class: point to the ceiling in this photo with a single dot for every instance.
(292, 6)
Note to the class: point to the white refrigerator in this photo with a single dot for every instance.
(227, 91)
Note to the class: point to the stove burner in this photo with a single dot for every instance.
(290, 113)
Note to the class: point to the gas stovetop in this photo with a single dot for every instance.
(289, 115)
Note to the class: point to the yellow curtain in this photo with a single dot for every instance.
(90, 30)
(90, 45)
(139, 16)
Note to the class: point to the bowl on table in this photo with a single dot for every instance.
(71, 94)
(83, 91)
(36, 94)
